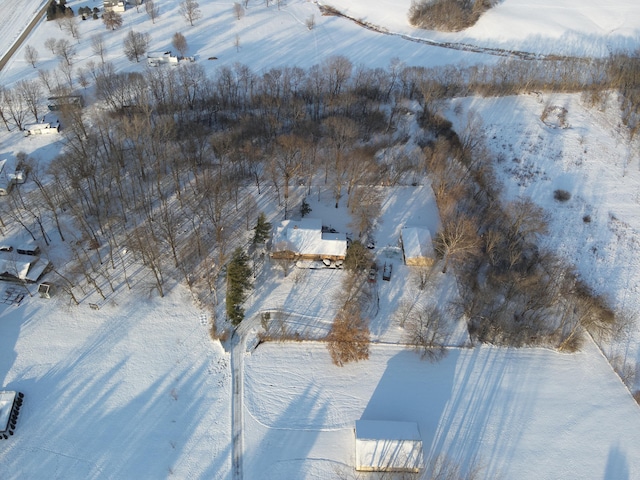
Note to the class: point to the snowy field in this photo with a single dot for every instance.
(16, 15)
(138, 389)
(526, 414)
(135, 390)
(563, 27)
(598, 228)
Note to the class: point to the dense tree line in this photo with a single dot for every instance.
(164, 170)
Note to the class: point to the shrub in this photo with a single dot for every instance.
(561, 195)
(586, 219)
(447, 15)
(348, 340)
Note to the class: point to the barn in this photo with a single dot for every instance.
(417, 247)
(387, 446)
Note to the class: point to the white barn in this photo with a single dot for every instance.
(385, 446)
(417, 247)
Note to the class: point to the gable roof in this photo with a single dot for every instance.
(305, 237)
(416, 242)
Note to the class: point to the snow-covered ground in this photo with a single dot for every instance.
(134, 390)
(16, 15)
(563, 27)
(598, 228)
(527, 414)
(138, 389)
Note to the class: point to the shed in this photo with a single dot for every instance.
(41, 129)
(417, 247)
(388, 446)
(155, 59)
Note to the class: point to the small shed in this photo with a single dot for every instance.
(156, 59)
(41, 129)
(387, 446)
(417, 247)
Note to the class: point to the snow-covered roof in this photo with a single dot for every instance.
(37, 126)
(6, 404)
(306, 238)
(22, 267)
(388, 446)
(416, 242)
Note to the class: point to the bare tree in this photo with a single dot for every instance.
(45, 78)
(238, 10)
(236, 42)
(190, 10)
(457, 239)
(70, 25)
(65, 51)
(179, 43)
(98, 47)
(112, 20)
(136, 45)
(152, 10)
(31, 55)
(16, 107)
(31, 93)
(310, 22)
(67, 72)
(50, 44)
(4, 112)
(427, 333)
(349, 338)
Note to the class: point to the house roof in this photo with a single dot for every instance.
(416, 242)
(386, 445)
(22, 267)
(305, 237)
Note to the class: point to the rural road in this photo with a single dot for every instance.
(238, 347)
(21, 38)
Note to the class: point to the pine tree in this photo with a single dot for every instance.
(305, 209)
(262, 229)
(238, 282)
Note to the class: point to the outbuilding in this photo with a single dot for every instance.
(388, 446)
(417, 247)
(41, 129)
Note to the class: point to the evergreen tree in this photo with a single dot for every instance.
(261, 229)
(238, 282)
(305, 209)
(52, 10)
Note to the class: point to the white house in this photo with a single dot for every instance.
(24, 268)
(417, 246)
(41, 129)
(384, 446)
(114, 6)
(155, 59)
(305, 240)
